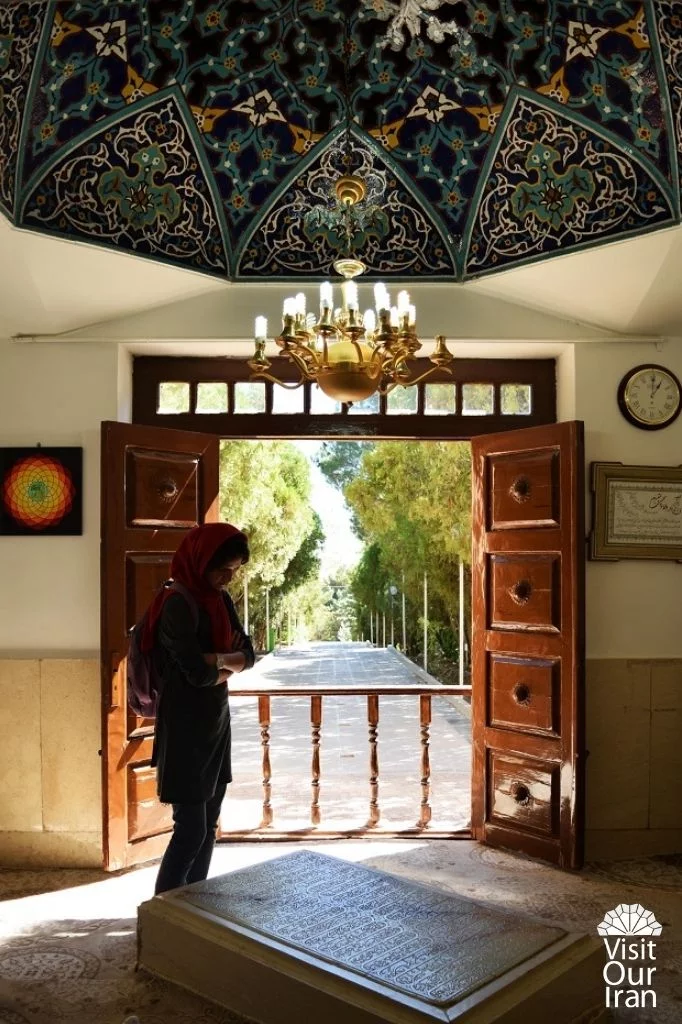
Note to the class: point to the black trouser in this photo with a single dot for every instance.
(188, 854)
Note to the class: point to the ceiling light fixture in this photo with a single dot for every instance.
(349, 355)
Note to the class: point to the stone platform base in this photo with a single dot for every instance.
(311, 937)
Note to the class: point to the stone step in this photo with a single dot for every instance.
(308, 936)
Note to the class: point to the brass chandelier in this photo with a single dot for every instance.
(348, 355)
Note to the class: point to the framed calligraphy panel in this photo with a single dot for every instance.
(636, 511)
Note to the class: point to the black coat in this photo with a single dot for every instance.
(192, 739)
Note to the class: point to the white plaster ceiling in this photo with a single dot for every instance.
(49, 286)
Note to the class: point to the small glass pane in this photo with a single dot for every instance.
(319, 402)
(249, 397)
(212, 397)
(515, 399)
(440, 399)
(366, 406)
(477, 399)
(173, 397)
(285, 400)
(402, 401)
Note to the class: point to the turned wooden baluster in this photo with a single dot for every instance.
(425, 722)
(315, 723)
(373, 722)
(264, 720)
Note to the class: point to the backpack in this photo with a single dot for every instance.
(144, 684)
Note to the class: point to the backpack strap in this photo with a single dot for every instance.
(179, 588)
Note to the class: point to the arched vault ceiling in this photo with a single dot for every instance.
(200, 133)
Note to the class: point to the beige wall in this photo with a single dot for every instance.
(49, 586)
(633, 607)
(634, 763)
(50, 808)
(634, 629)
(49, 627)
(50, 800)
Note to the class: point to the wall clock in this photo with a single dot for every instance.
(650, 396)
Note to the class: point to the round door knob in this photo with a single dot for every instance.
(521, 793)
(168, 489)
(522, 693)
(521, 591)
(520, 489)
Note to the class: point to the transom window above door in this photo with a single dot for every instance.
(218, 395)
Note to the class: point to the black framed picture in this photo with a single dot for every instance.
(41, 491)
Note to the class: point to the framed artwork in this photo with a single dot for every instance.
(636, 511)
(41, 491)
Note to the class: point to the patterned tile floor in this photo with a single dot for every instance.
(67, 938)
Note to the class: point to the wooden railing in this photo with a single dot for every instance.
(421, 828)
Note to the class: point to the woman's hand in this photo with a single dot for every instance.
(223, 675)
(234, 661)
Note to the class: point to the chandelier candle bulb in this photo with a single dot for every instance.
(261, 329)
(411, 315)
(300, 304)
(289, 308)
(395, 318)
(349, 290)
(403, 302)
(381, 297)
(370, 321)
(326, 295)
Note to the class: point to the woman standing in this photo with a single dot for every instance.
(195, 656)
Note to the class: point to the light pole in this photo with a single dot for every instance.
(393, 591)
(426, 623)
(267, 618)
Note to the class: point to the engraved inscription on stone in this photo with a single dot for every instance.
(407, 936)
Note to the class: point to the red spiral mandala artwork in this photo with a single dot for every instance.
(38, 492)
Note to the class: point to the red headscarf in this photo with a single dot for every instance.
(188, 567)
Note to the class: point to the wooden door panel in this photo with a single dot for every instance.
(144, 574)
(525, 592)
(146, 816)
(524, 694)
(156, 485)
(524, 794)
(525, 490)
(528, 641)
(162, 489)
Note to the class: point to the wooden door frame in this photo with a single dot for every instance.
(148, 371)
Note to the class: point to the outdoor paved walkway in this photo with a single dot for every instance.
(344, 747)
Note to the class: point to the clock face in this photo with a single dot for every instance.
(650, 396)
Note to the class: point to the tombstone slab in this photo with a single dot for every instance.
(308, 936)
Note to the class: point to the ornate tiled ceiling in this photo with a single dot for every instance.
(200, 133)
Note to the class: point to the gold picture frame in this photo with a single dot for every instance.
(636, 511)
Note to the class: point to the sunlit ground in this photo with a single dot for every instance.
(344, 791)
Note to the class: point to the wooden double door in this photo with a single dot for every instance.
(527, 629)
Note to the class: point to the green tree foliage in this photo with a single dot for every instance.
(300, 591)
(340, 601)
(305, 565)
(265, 490)
(413, 503)
(340, 461)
